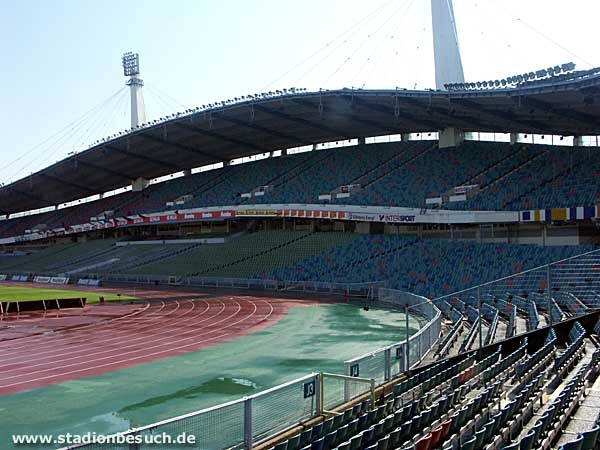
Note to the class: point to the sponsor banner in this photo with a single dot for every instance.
(389, 218)
(177, 217)
(256, 212)
(362, 217)
(396, 218)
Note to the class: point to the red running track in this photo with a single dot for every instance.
(140, 334)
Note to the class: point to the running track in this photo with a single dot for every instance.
(140, 333)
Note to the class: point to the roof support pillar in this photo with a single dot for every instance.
(451, 137)
(577, 141)
(139, 184)
(187, 173)
(405, 137)
(514, 138)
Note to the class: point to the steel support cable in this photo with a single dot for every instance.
(58, 134)
(364, 41)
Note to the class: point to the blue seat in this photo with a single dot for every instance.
(341, 434)
(416, 423)
(338, 421)
(426, 418)
(319, 444)
(317, 431)
(468, 444)
(305, 437)
(527, 440)
(344, 446)
(356, 442)
(362, 421)
(479, 437)
(352, 428)
(378, 432)
(368, 434)
(356, 410)
(394, 440)
(590, 438)
(330, 440)
(327, 426)
(347, 415)
(573, 445)
(537, 428)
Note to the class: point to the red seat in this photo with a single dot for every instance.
(436, 435)
(424, 443)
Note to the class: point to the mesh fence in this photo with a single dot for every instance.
(278, 409)
(221, 427)
(384, 363)
(338, 390)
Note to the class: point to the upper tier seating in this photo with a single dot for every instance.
(515, 177)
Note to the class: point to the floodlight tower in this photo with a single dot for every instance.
(131, 69)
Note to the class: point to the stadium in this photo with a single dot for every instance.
(340, 269)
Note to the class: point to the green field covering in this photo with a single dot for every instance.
(309, 339)
(14, 293)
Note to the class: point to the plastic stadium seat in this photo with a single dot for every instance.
(352, 428)
(436, 435)
(514, 446)
(338, 421)
(468, 444)
(573, 445)
(327, 426)
(318, 444)
(305, 437)
(293, 443)
(356, 442)
(382, 444)
(342, 434)
(281, 446)
(590, 438)
(394, 440)
(362, 421)
(317, 431)
(329, 440)
(423, 443)
(527, 440)
(344, 446)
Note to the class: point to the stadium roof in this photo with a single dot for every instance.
(268, 123)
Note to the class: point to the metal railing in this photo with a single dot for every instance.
(579, 276)
(388, 362)
(364, 290)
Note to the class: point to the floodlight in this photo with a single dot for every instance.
(131, 64)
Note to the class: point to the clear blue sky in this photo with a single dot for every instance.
(62, 58)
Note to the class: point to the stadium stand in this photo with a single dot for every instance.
(508, 177)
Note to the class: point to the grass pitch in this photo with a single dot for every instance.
(14, 293)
